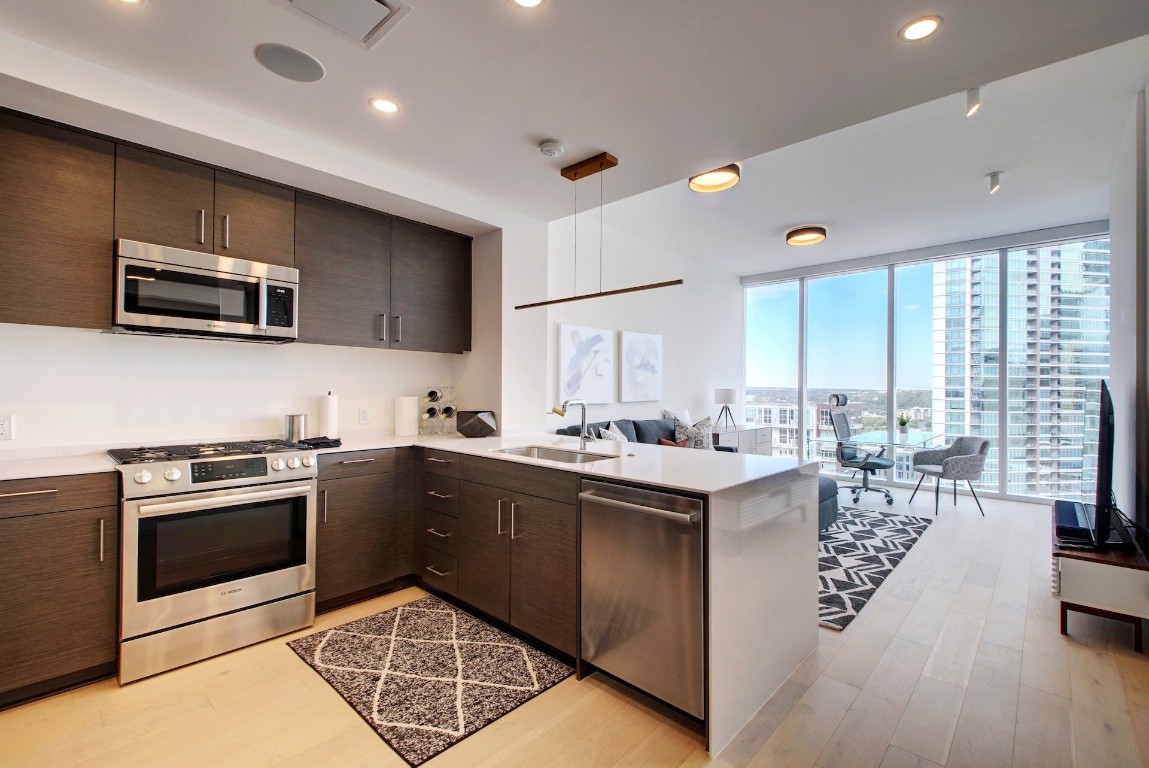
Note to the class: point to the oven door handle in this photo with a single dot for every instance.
(231, 500)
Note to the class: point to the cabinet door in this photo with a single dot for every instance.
(343, 257)
(430, 288)
(56, 241)
(543, 570)
(164, 200)
(59, 600)
(355, 535)
(484, 548)
(254, 220)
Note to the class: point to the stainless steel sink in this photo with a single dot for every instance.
(555, 454)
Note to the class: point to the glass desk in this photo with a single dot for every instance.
(910, 439)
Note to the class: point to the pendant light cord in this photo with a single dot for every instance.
(600, 230)
(574, 288)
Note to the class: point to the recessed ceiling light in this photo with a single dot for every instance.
(133, 3)
(919, 29)
(807, 234)
(289, 62)
(384, 105)
(972, 101)
(528, 3)
(716, 180)
(994, 181)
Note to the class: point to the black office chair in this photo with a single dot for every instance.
(851, 455)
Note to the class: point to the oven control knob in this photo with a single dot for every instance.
(308, 461)
(143, 476)
(278, 464)
(173, 474)
(293, 462)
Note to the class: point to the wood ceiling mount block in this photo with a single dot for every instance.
(590, 166)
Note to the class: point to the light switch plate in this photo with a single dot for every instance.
(7, 426)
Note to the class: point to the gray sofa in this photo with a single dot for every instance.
(827, 502)
(637, 431)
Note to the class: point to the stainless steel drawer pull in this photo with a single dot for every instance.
(499, 526)
(325, 505)
(202, 226)
(101, 539)
(437, 573)
(513, 506)
(355, 461)
(438, 495)
(27, 493)
(227, 231)
(437, 460)
(440, 534)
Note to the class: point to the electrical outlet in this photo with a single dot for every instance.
(7, 426)
(364, 416)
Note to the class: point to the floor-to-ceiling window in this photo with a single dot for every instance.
(772, 364)
(943, 374)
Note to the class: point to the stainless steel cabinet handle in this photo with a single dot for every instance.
(325, 505)
(101, 539)
(202, 226)
(440, 534)
(499, 528)
(384, 321)
(27, 493)
(398, 329)
(513, 506)
(438, 461)
(355, 461)
(227, 230)
(438, 495)
(437, 573)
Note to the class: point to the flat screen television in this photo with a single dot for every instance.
(1103, 503)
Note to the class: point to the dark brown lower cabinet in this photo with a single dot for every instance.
(355, 536)
(517, 561)
(59, 601)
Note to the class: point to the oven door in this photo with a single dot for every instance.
(193, 556)
(151, 295)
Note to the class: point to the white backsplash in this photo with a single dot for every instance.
(69, 386)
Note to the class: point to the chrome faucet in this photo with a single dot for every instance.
(584, 435)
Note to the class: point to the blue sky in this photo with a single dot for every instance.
(847, 331)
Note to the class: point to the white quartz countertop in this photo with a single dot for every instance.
(670, 467)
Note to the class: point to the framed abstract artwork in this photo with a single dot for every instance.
(641, 368)
(586, 363)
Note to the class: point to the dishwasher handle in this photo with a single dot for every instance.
(688, 518)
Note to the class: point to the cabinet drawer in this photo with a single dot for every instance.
(439, 531)
(439, 571)
(355, 463)
(441, 462)
(555, 484)
(441, 494)
(36, 496)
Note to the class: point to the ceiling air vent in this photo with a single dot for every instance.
(366, 21)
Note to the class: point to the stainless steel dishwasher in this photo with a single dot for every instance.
(642, 600)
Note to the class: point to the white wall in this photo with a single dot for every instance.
(701, 322)
(73, 387)
(478, 375)
(524, 331)
(1128, 336)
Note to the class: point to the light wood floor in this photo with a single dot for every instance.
(956, 661)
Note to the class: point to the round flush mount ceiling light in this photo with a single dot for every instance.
(717, 180)
(920, 29)
(807, 234)
(289, 62)
(530, 4)
(386, 106)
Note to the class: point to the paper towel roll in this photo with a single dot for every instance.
(407, 416)
(329, 415)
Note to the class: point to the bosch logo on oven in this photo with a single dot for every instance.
(227, 592)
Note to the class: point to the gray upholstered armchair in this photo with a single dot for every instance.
(964, 459)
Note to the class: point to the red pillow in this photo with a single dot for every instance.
(679, 444)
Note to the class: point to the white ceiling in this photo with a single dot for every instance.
(672, 88)
(916, 178)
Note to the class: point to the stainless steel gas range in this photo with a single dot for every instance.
(218, 549)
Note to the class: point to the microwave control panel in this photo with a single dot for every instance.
(280, 306)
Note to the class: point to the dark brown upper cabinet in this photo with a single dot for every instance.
(56, 191)
(430, 288)
(254, 220)
(344, 261)
(179, 203)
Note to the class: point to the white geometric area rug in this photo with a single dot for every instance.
(855, 555)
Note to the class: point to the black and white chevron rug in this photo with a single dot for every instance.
(855, 555)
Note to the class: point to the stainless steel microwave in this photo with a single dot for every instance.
(172, 291)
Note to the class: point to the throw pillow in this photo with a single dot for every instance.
(683, 415)
(700, 436)
(612, 432)
(664, 441)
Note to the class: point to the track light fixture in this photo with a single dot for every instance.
(994, 181)
(972, 101)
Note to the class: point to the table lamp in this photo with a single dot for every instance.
(725, 398)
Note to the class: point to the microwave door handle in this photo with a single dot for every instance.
(229, 500)
(262, 324)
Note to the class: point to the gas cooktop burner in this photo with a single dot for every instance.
(201, 451)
